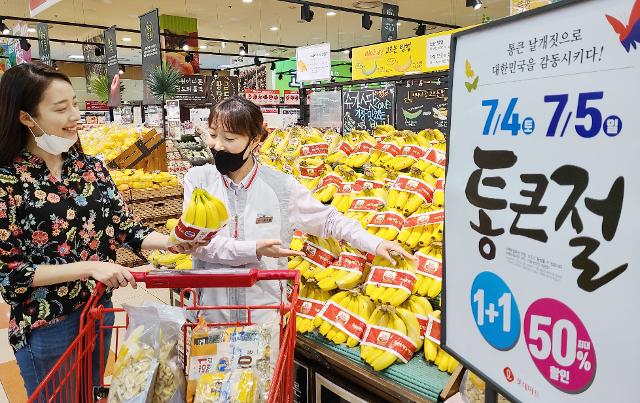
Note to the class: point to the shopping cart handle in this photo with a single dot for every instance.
(232, 278)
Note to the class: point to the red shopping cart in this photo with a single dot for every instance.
(70, 380)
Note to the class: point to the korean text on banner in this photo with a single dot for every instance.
(539, 230)
(313, 63)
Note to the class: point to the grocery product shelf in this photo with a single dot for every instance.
(416, 381)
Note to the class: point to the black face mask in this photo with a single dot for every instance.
(228, 162)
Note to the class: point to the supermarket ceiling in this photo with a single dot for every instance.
(267, 21)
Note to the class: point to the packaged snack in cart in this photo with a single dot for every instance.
(225, 349)
(240, 386)
(135, 370)
(170, 385)
(203, 218)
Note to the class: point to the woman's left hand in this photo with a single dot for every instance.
(388, 250)
(188, 247)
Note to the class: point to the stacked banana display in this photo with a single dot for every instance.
(164, 260)
(205, 211)
(310, 302)
(343, 318)
(432, 351)
(392, 183)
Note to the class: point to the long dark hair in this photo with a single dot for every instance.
(21, 89)
(238, 115)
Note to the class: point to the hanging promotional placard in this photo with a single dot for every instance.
(263, 97)
(221, 87)
(113, 66)
(422, 104)
(364, 109)
(313, 63)
(538, 231)
(43, 43)
(151, 55)
(389, 29)
(38, 6)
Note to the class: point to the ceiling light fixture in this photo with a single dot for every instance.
(274, 28)
(55, 66)
(350, 54)
(280, 76)
(256, 61)
(476, 4)
(126, 39)
(331, 13)
(122, 69)
(99, 50)
(273, 66)
(366, 21)
(76, 57)
(237, 72)
(185, 46)
(247, 1)
(223, 44)
(31, 30)
(306, 14)
(189, 57)
(214, 73)
(346, 51)
(421, 30)
(4, 28)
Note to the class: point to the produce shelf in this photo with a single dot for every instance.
(423, 380)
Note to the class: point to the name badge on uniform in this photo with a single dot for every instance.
(264, 219)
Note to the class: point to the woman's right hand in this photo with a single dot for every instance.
(273, 248)
(112, 275)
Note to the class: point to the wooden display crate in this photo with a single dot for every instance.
(148, 153)
(168, 192)
(127, 258)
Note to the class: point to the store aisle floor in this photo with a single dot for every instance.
(11, 387)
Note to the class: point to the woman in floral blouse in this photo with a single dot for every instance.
(61, 220)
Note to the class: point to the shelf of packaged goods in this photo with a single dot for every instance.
(416, 381)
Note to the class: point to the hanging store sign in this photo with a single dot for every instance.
(113, 66)
(151, 54)
(313, 63)
(43, 43)
(389, 29)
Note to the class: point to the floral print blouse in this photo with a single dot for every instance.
(48, 221)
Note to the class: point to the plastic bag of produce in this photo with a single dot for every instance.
(240, 386)
(136, 367)
(225, 349)
(170, 385)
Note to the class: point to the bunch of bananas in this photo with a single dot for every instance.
(297, 241)
(342, 150)
(415, 146)
(390, 285)
(429, 273)
(392, 334)
(334, 323)
(310, 174)
(434, 161)
(272, 142)
(412, 191)
(386, 224)
(345, 273)
(421, 307)
(438, 195)
(310, 302)
(343, 196)
(387, 149)
(433, 353)
(205, 211)
(320, 254)
(362, 151)
(218, 386)
(422, 228)
(138, 179)
(366, 204)
(163, 260)
(382, 131)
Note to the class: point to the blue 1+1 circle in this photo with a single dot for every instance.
(495, 311)
(528, 125)
(612, 126)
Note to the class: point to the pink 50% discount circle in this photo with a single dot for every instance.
(560, 345)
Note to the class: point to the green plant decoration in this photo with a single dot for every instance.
(163, 83)
(101, 86)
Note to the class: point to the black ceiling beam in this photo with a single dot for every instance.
(275, 58)
(371, 13)
(137, 31)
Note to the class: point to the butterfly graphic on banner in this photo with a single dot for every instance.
(630, 33)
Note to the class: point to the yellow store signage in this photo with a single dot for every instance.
(405, 56)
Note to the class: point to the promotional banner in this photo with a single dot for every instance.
(38, 6)
(422, 103)
(43, 43)
(113, 66)
(191, 88)
(94, 65)
(313, 63)
(151, 53)
(389, 29)
(178, 32)
(541, 236)
(365, 108)
(221, 87)
(263, 97)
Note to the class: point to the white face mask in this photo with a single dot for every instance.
(54, 145)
